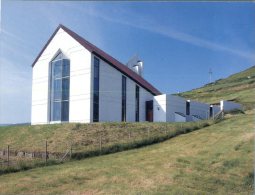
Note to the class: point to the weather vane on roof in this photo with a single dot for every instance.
(210, 75)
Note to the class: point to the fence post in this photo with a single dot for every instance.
(100, 142)
(46, 152)
(71, 151)
(8, 155)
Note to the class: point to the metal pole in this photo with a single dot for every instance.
(46, 152)
(8, 155)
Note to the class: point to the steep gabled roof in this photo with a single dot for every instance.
(104, 56)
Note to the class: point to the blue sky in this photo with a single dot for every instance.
(178, 42)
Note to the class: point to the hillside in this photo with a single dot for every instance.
(86, 137)
(238, 87)
(214, 160)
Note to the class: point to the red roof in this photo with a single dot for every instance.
(104, 56)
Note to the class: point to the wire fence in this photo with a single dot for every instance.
(90, 140)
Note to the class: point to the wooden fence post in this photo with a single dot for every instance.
(100, 142)
(8, 155)
(71, 151)
(46, 152)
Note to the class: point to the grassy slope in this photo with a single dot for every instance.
(237, 87)
(214, 160)
(84, 137)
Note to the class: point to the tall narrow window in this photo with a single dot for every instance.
(211, 111)
(96, 91)
(124, 98)
(59, 88)
(187, 107)
(137, 103)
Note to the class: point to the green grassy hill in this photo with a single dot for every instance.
(217, 159)
(86, 137)
(214, 160)
(238, 87)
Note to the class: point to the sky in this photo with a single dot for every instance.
(179, 42)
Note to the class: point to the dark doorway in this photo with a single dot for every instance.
(149, 111)
(187, 108)
(211, 111)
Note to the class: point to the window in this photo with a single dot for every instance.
(96, 91)
(59, 88)
(187, 108)
(211, 111)
(124, 98)
(137, 103)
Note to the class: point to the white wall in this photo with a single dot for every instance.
(110, 86)
(159, 108)
(165, 108)
(80, 80)
(199, 109)
(130, 101)
(171, 108)
(175, 104)
(179, 118)
(228, 105)
(109, 93)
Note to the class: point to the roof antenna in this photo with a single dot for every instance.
(210, 75)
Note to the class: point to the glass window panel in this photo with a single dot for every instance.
(57, 89)
(59, 56)
(65, 111)
(96, 91)
(57, 69)
(56, 111)
(137, 104)
(60, 84)
(51, 111)
(65, 89)
(96, 85)
(96, 72)
(66, 68)
(187, 108)
(123, 104)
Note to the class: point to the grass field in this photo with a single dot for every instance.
(214, 160)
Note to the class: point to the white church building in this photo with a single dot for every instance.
(74, 81)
